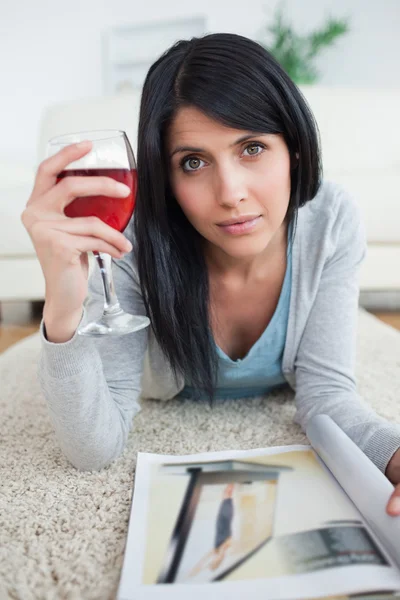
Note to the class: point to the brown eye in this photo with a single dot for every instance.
(191, 164)
(252, 149)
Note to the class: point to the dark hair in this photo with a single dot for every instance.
(237, 82)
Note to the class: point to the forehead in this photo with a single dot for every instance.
(190, 123)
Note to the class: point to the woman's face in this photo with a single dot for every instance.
(217, 175)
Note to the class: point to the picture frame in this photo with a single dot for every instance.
(226, 473)
(130, 50)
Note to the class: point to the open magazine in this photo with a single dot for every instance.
(280, 523)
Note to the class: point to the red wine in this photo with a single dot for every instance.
(116, 212)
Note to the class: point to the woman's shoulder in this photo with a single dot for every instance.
(333, 208)
(332, 200)
(330, 221)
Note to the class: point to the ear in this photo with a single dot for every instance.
(295, 160)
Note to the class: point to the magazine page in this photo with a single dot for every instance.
(366, 485)
(266, 523)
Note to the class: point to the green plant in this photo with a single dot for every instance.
(295, 52)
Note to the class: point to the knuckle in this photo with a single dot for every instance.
(69, 187)
(28, 219)
(37, 230)
(96, 225)
(24, 218)
(43, 167)
(94, 220)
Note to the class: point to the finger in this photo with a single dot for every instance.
(48, 170)
(46, 233)
(68, 248)
(93, 244)
(393, 506)
(70, 188)
(93, 227)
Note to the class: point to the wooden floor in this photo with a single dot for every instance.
(22, 319)
(18, 320)
(392, 318)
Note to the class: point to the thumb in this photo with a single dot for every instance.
(393, 506)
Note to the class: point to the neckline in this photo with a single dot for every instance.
(278, 309)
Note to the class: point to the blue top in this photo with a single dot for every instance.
(261, 369)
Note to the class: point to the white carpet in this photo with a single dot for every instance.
(63, 532)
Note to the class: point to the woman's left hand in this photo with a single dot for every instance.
(393, 474)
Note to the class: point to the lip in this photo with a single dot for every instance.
(243, 227)
(238, 219)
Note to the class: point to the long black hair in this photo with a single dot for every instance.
(235, 81)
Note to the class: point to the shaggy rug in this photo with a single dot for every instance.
(63, 532)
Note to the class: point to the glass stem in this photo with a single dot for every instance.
(111, 304)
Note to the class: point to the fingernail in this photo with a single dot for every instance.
(84, 144)
(128, 246)
(394, 505)
(123, 189)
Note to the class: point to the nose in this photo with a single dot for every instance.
(230, 185)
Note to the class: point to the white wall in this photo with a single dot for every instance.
(50, 51)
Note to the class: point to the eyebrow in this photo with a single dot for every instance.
(244, 138)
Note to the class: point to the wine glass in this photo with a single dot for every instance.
(112, 156)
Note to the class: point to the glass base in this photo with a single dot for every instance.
(115, 324)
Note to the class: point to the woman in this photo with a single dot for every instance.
(224, 136)
(223, 534)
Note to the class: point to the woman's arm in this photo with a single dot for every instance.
(92, 385)
(325, 363)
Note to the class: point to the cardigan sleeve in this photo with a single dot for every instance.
(92, 385)
(325, 361)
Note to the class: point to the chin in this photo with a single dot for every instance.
(244, 247)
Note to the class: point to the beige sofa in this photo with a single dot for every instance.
(360, 131)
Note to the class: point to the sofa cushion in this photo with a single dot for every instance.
(14, 239)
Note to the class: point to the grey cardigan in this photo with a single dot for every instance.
(92, 385)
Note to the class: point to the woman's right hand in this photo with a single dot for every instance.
(62, 243)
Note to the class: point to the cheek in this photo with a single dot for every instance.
(275, 185)
(279, 174)
(192, 198)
